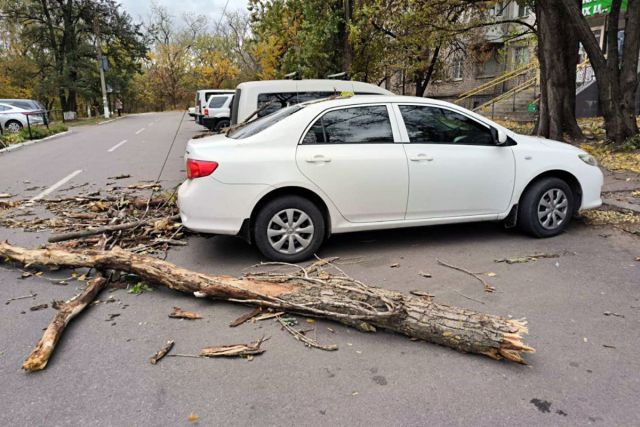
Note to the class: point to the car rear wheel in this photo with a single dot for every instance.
(546, 208)
(13, 126)
(224, 123)
(289, 229)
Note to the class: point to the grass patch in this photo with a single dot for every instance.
(37, 132)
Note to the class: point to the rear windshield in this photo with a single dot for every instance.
(258, 125)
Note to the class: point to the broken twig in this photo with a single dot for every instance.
(487, 286)
(162, 353)
(304, 339)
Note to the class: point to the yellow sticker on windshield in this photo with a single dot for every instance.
(346, 93)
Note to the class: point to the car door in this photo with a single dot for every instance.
(351, 154)
(455, 167)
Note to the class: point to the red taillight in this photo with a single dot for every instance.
(200, 168)
(206, 111)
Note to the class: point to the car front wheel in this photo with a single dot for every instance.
(289, 229)
(546, 208)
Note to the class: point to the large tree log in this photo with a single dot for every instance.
(314, 293)
(40, 355)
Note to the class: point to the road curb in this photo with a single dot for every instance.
(110, 120)
(621, 205)
(35, 141)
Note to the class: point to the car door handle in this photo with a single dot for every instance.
(318, 158)
(421, 158)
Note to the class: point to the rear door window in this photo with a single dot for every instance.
(355, 125)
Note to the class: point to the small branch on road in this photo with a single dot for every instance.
(487, 286)
(108, 228)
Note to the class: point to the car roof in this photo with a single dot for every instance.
(312, 85)
(369, 99)
(216, 90)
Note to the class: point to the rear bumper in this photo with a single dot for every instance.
(209, 206)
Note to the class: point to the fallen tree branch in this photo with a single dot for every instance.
(305, 339)
(487, 286)
(240, 320)
(162, 352)
(107, 228)
(40, 355)
(234, 350)
(337, 298)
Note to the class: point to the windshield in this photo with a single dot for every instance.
(256, 126)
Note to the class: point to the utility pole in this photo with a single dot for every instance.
(105, 101)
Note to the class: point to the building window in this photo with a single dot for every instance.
(457, 71)
(523, 10)
(521, 56)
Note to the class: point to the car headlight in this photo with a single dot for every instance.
(588, 159)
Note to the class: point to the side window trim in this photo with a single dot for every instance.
(403, 126)
(395, 128)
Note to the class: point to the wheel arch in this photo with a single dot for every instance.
(247, 226)
(564, 175)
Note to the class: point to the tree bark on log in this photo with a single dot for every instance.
(313, 293)
(40, 355)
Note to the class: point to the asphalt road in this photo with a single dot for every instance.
(100, 374)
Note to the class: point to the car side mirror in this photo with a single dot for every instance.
(499, 136)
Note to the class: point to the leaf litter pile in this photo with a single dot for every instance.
(140, 224)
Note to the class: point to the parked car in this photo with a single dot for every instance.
(202, 97)
(261, 98)
(217, 113)
(12, 118)
(289, 180)
(191, 111)
(28, 105)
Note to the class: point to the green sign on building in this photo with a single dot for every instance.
(599, 7)
(532, 107)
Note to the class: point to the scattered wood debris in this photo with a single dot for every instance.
(423, 274)
(609, 313)
(300, 336)
(40, 355)
(527, 258)
(31, 295)
(121, 176)
(487, 286)
(335, 297)
(179, 313)
(121, 218)
(234, 350)
(162, 352)
(247, 316)
(39, 307)
(395, 265)
(419, 293)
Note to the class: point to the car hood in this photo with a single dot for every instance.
(549, 143)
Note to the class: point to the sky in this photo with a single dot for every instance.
(212, 9)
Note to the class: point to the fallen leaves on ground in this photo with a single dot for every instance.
(626, 221)
(614, 160)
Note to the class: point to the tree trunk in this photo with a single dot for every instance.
(336, 298)
(558, 57)
(617, 80)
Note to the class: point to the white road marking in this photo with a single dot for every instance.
(55, 186)
(139, 131)
(115, 147)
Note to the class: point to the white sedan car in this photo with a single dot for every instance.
(287, 181)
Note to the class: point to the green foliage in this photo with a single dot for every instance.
(139, 288)
(306, 36)
(53, 49)
(631, 144)
(37, 132)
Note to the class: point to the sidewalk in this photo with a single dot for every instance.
(619, 189)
